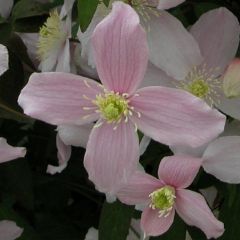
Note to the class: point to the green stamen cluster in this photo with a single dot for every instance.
(112, 106)
(163, 199)
(199, 88)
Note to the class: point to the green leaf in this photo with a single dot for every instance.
(177, 231)
(28, 8)
(106, 2)
(86, 10)
(115, 221)
(5, 32)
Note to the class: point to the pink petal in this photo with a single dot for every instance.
(175, 117)
(58, 98)
(222, 159)
(172, 48)
(64, 154)
(193, 209)
(75, 135)
(138, 188)
(8, 153)
(9, 230)
(3, 59)
(217, 33)
(120, 49)
(153, 225)
(166, 4)
(179, 171)
(109, 158)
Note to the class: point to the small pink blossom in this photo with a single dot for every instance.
(163, 196)
(167, 115)
(9, 230)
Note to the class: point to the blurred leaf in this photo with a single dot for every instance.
(86, 10)
(28, 8)
(201, 8)
(115, 221)
(5, 32)
(230, 212)
(176, 231)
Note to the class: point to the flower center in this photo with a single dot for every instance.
(112, 106)
(51, 35)
(198, 88)
(202, 83)
(163, 199)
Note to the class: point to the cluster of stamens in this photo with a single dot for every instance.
(202, 83)
(113, 107)
(163, 200)
(50, 35)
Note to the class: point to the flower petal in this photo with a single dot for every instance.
(138, 188)
(175, 117)
(9, 230)
(171, 47)
(166, 4)
(75, 135)
(3, 59)
(120, 49)
(222, 159)
(59, 98)
(179, 171)
(110, 159)
(193, 209)
(6, 7)
(217, 33)
(145, 141)
(64, 154)
(153, 225)
(8, 153)
(92, 234)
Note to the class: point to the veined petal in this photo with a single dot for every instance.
(120, 49)
(193, 209)
(64, 154)
(171, 47)
(138, 188)
(166, 4)
(175, 117)
(110, 159)
(217, 33)
(75, 135)
(179, 171)
(3, 59)
(9, 230)
(8, 153)
(60, 98)
(153, 225)
(222, 159)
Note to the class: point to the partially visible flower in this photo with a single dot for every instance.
(231, 79)
(195, 61)
(6, 7)
(166, 4)
(9, 230)
(167, 115)
(8, 153)
(3, 59)
(163, 196)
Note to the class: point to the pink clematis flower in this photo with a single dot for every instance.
(9, 230)
(167, 115)
(167, 194)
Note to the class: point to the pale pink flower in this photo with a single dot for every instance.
(167, 194)
(9, 230)
(195, 60)
(8, 153)
(167, 115)
(3, 59)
